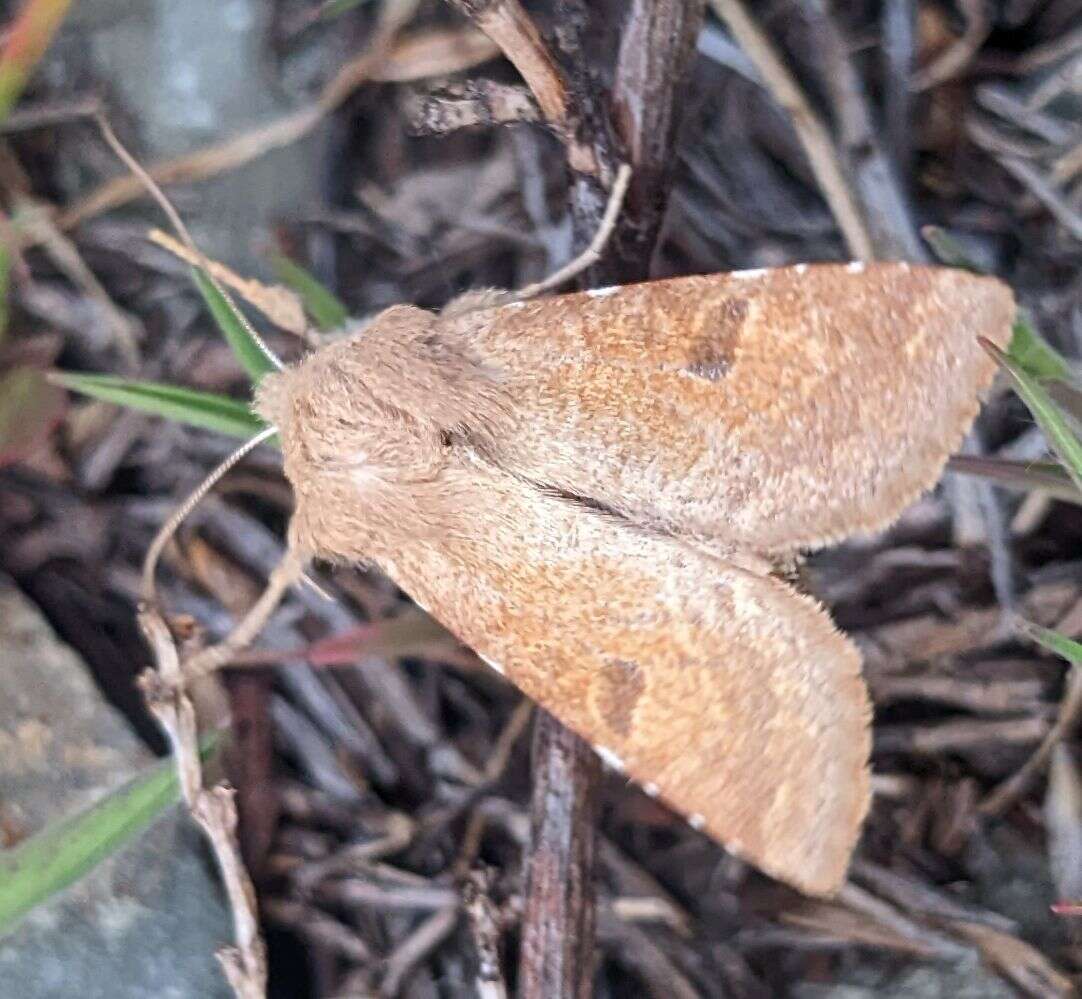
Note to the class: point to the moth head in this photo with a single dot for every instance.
(369, 420)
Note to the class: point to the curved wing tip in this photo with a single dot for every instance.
(822, 884)
(989, 304)
(819, 870)
(821, 874)
(814, 857)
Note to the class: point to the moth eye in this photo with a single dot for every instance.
(446, 439)
(711, 351)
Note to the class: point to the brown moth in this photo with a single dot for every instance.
(594, 490)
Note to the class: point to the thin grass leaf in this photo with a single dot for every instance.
(948, 250)
(1035, 355)
(319, 301)
(207, 410)
(1069, 399)
(25, 42)
(1045, 411)
(1025, 476)
(1061, 645)
(247, 351)
(63, 852)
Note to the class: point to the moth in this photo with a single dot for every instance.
(599, 492)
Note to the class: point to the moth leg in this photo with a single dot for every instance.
(490, 298)
(592, 253)
(473, 301)
(287, 572)
(584, 260)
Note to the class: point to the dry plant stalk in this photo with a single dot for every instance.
(639, 118)
(280, 305)
(241, 149)
(813, 134)
(245, 963)
(508, 24)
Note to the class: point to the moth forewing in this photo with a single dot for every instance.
(775, 409)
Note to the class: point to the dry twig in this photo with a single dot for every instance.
(814, 136)
(1003, 796)
(484, 919)
(421, 942)
(242, 149)
(508, 25)
(245, 964)
(957, 56)
(280, 305)
(556, 954)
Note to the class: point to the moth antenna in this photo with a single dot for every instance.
(591, 254)
(282, 577)
(182, 232)
(169, 528)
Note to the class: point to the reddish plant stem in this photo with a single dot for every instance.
(250, 763)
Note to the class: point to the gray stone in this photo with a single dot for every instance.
(146, 921)
(193, 74)
(966, 979)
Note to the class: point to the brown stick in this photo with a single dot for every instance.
(508, 24)
(656, 54)
(558, 922)
(512, 29)
(251, 765)
(556, 958)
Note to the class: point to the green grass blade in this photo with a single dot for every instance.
(247, 351)
(1035, 355)
(1045, 411)
(319, 301)
(1069, 399)
(51, 860)
(207, 410)
(1061, 645)
(63, 852)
